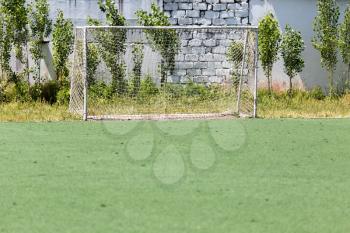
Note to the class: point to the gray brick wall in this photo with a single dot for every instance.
(203, 53)
(203, 58)
(207, 12)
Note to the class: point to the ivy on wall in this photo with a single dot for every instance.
(166, 42)
(41, 27)
(111, 44)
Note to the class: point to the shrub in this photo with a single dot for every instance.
(100, 90)
(35, 92)
(317, 93)
(17, 92)
(174, 90)
(49, 91)
(63, 95)
(148, 87)
(194, 89)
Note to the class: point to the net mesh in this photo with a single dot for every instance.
(163, 72)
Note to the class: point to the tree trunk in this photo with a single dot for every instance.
(39, 71)
(268, 82)
(27, 63)
(348, 76)
(290, 86)
(271, 86)
(330, 83)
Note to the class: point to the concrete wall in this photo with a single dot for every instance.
(129, 8)
(77, 10)
(300, 15)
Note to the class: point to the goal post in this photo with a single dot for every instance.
(174, 72)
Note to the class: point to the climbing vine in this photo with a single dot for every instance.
(14, 33)
(41, 27)
(93, 60)
(235, 56)
(137, 57)
(165, 41)
(111, 44)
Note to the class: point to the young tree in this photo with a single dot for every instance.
(62, 40)
(14, 20)
(166, 42)
(269, 39)
(5, 48)
(111, 44)
(291, 47)
(41, 27)
(344, 41)
(325, 39)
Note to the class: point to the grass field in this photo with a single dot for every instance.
(242, 176)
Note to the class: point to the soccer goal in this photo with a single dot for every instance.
(164, 72)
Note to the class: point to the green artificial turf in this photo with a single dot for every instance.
(240, 176)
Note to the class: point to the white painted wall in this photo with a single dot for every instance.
(77, 10)
(299, 14)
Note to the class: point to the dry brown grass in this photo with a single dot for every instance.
(301, 107)
(269, 107)
(34, 111)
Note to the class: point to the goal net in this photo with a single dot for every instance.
(164, 72)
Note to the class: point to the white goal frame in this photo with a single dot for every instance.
(82, 103)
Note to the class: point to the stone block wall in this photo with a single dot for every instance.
(203, 55)
(207, 12)
(203, 52)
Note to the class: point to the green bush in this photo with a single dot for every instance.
(174, 90)
(148, 87)
(100, 90)
(63, 96)
(317, 93)
(2, 95)
(299, 95)
(35, 92)
(49, 91)
(195, 89)
(16, 92)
